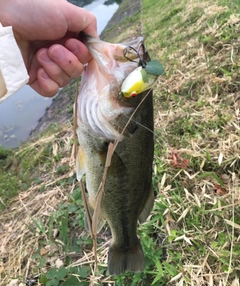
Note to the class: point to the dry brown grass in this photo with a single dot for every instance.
(201, 87)
(18, 235)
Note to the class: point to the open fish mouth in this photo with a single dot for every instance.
(115, 58)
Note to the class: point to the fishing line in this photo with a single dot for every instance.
(156, 136)
(131, 117)
(143, 126)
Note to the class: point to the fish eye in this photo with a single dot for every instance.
(120, 58)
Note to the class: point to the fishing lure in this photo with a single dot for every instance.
(142, 78)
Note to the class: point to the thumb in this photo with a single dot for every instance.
(79, 19)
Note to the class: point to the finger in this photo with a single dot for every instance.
(44, 85)
(33, 69)
(66, 60)
(79, 50)
(50, 63)
(79, 19)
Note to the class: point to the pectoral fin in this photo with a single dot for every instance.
(148, 207)
(80, 164)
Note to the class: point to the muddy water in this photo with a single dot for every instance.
(20, 113)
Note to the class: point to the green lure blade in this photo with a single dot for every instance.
(154, 67)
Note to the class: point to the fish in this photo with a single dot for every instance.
(102, 114)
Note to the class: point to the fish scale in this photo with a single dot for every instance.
(127, 197)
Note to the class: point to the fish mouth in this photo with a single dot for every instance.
(111, 56)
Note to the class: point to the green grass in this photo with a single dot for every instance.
(23, 167)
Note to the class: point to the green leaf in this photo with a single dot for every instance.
(61, 273)
(42, 188)
(154, 67)
(74, 270)
(169, 268)
(84, 272)
(159, 268)
(52, 273)
(53, 282)
(72, 208)
(38, 181)
(211, 174)
(71, 280)
(157, 279)
(43, 280)
(42, 262)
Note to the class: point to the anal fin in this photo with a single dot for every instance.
(148, 207)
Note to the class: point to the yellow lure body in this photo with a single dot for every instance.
(137, 82)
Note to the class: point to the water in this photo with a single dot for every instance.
(102, 9)
(20, 113)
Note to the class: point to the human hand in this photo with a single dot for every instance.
(46, 33)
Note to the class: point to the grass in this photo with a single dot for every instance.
(192, 236)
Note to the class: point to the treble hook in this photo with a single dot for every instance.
(141, 61)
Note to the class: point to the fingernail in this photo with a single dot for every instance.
(57, 52)
(44, 56)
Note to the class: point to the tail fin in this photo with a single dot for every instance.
(121, 260)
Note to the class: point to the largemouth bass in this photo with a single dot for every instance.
(102, 115)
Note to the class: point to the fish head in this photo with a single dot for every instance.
(112, 63)
(99, 106)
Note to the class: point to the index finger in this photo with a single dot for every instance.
(79, 19)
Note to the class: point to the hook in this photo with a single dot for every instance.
(141, 62)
